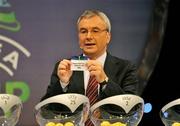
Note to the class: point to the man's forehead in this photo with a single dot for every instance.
(93, 22)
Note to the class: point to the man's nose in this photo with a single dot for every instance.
(89, 34)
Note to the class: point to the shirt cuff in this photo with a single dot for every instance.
(64, 86)
(103, 87)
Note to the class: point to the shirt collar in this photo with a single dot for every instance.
(102, 58)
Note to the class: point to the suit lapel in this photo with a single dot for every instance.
(110, 66)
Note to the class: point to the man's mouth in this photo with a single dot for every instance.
(90, 44)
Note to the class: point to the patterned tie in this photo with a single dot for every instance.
(92, 94)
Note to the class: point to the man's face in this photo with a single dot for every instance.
(93, 36)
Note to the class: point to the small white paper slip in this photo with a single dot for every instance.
(78, 65)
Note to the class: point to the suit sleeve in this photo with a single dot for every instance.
(124, 81)
(54, 88)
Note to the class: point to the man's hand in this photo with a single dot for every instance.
(64, 71)
(96, 69)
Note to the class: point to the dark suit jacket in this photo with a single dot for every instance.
(122, 80)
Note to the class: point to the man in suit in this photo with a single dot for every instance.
(115, 76)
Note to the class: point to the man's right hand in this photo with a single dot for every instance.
(64, 71)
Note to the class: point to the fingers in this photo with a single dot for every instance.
(64, 65)
(64, 70)
(93, 66)
(96, 69)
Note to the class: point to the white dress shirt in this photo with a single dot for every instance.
(101, 59)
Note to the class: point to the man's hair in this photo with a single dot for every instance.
(92, 13)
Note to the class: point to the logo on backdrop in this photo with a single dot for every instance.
(4, 3)
(12, 57)
(11, 50)
(8, 19)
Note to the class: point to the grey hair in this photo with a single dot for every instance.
(91, 13)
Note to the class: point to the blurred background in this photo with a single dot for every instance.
(162, 86)
(34, 35)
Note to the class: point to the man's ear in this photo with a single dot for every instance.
(108, 37)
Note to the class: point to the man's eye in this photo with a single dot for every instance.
(83, 31)
(95, 30)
